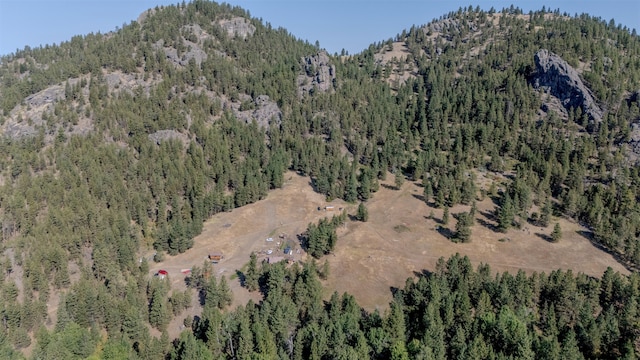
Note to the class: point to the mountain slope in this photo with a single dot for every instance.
(121, 144)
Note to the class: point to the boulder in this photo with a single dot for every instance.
(556, 76)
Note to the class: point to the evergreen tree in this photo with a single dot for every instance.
(556, 235)
(351, 191)
(363, 213)
(399, 179)
(545, 215)
(463, 228)
(445, 216)
(505, 213)
(159, 315)
(251, 275)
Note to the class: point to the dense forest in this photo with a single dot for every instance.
(120, 143)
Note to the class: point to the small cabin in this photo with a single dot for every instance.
(216, 257)
(162, 274)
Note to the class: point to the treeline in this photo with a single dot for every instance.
(452, 312)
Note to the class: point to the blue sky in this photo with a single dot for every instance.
(336, 24)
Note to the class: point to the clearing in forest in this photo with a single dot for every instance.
(398, 241)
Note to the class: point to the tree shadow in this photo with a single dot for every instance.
(435, 219)
(423, 273)
(304, 241)
(241, 277)
(390, 187)
(189, 281)
(418, 196)
(444, 231)
(431, 204)
(202, 296)
(495, 199)
(488, 214)
(544, 237)
(487, 224)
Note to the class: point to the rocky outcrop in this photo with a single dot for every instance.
(554, 75)
(265, 112)
(117, 81)
(318, 74)
(25, 119)
(164, 135)
(238, 26)
(193, 52)
(634, 141)
(33, 116)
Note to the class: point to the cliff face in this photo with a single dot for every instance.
(318, 74)
(238, 26)
(562, 81)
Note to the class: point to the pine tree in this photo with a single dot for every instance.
(427, 191)
(472, 212)
(224, 293)
(545, 215)
(363, 213)
(463, 228)
(351, 191)
(399, 179)
(505, 214)
(445, 216)
(251, 275)
(556, 235)
(158, 313)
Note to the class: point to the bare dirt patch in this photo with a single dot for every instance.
(370, 258)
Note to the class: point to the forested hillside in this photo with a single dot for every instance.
(116, 145)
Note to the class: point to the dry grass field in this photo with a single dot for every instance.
(370, 258)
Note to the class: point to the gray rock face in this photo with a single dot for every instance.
(633, 145)
(562, 81)
(238, 26)
(318, 75)
(163, 135)
(24, 119)
(194, 52)
(266, 113)
(49, 95)
(18, 130)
